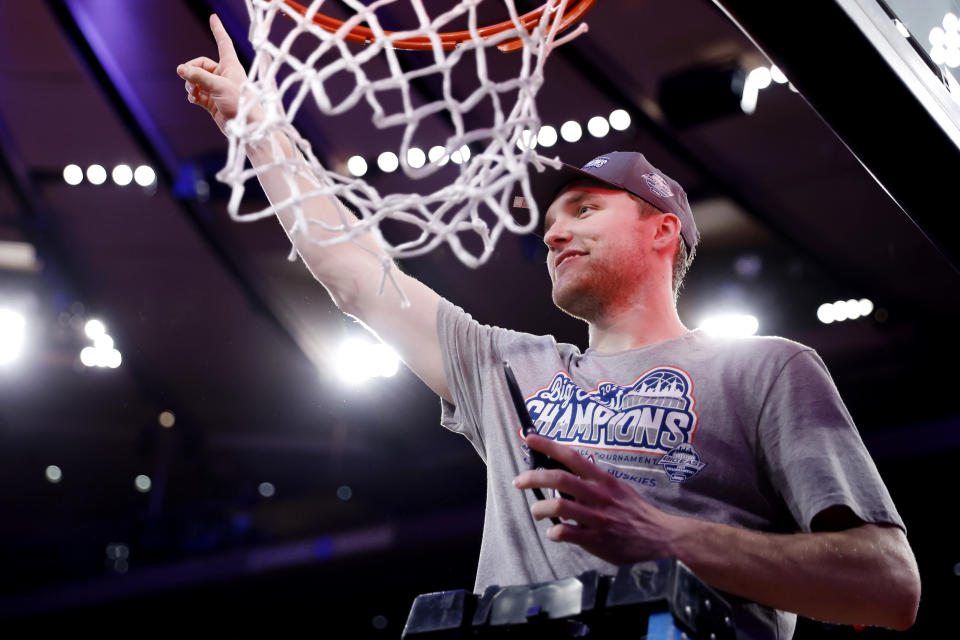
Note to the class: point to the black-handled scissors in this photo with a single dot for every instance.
(538, 460)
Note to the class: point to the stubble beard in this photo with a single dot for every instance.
(584, 296)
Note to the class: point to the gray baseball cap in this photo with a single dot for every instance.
(627, 170)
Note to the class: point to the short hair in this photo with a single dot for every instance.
(682, 259)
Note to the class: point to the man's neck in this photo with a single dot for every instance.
(636, 325)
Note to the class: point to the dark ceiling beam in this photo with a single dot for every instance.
(875, 113)
(63, 270)
(82, 33)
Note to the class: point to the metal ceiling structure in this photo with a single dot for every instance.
(843, 189)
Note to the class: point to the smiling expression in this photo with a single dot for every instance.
(596, 248)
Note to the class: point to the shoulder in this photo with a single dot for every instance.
(452, 318)
(756, 360)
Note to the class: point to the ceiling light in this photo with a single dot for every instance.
(357, 166)
(142, 483)
(94, 328)
(359, 360)
(12, 334)
(72, 174)
(527, 140)
(416, 158)
(759, 78)
(825, 313)
(730, 325)
(54, 474)
(388, 161)
(461, 155)
(777, 75)
(619, 119)
(266, 489)
(571, 131)
(96, 174)
(547, 136)
(598, 126)
(122, 175)
(437, 154)
(144, 176)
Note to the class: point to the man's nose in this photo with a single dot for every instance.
(557, 235)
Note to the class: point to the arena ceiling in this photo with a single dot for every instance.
(216, 326)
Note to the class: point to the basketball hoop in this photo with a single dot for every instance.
(493, 157)
(450, 39)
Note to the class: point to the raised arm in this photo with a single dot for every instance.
(351, 272)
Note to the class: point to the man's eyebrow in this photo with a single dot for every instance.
(572, 197)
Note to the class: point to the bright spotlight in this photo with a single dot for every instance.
(619, 119)
(72, 174)
(416, 158)
(12, 333)
(388, 161)
(866, 306)
(54, 474)
(547, 136)
(777, 75)
(461, 155)
(731, 325)
(113, 359)
(825, 313)
(571, 131)
(527, 140)
(89, 356)
(144, 176)
(359, 360)
(103, 342)
(840, 311)
(122, 175)
(96, 174)
(266, 489)
(94, 329)
(142, 483)
(598, 126)
(357, 166)
(437, 154)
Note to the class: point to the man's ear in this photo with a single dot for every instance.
(667, 231)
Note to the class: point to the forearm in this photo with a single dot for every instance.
(350, 270)
(856, 576)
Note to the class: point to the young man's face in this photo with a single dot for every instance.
(599, 246)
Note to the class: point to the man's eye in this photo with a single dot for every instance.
(584, 210)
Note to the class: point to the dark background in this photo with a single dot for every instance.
(215, 325)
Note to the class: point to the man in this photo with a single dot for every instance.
(737, 457)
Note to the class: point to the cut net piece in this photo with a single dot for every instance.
(476, 203)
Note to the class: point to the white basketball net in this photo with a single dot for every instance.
(486, 180)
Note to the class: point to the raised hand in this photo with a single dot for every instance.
(613, 522)
(215, 86)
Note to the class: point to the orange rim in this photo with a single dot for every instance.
(450, 39)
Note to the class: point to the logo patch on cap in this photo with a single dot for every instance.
(658, 185)
(596, 163)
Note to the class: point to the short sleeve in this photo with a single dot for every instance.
(812, 450)
(470, 350)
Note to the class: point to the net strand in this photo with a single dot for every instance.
(486, 179)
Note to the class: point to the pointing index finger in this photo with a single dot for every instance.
(224, 43)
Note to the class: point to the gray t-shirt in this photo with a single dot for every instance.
(747, 432)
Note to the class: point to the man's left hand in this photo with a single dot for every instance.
(612, 521)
